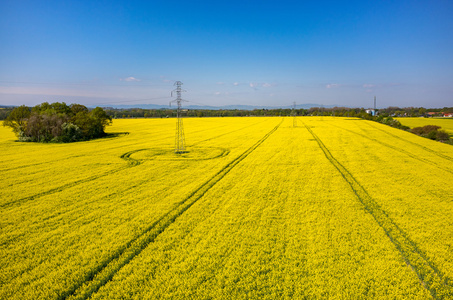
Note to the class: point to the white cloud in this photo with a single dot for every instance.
(367, 85)
(236, 83)
(267, 85)
(333, 85)
(220, 83)
(130, 79)
(217, 93)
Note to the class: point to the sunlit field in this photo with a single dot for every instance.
(445, 123)
(256, 209)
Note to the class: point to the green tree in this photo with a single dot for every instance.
(17, 119)
(100, 115)
(58, 122)
(70, 133)
(76, 108)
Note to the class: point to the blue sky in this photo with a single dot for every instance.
(261, 53)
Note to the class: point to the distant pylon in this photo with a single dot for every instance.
(294, 115)
(180, 143)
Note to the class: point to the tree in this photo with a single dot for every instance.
(54, 108)
(71, 133)
(58, 122)
(100, 115)
(76, 108)
(17, 119)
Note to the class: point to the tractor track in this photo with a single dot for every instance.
(397, 149)
(105, 272)
(69, 212)
(126, 156)
(412, 143)
(431, 278)
(38, 164)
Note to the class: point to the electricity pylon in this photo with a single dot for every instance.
(180, 143)
(294, 115)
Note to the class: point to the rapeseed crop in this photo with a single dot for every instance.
(445, 123)
(257, 209)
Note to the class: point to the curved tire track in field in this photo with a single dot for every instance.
(398, 149)
(415, 144)
(126, 156)
(105, 272)
(131, 161)
(112, 135)
(430, 276)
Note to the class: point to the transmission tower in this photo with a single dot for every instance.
(180, 143)
(293, 112)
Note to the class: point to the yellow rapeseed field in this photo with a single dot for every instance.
(445, 123)
(256, 209)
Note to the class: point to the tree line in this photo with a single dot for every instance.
(314, 111)
(57, 122)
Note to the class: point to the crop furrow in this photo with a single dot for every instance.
(37, 164)
(430, 276)
(105, 272)
(398, 149)
(415, 144)
(126, 156)
(119, 134)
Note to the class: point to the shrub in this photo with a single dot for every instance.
(432, 135)
(425, 130)
(442, 135)
(432, 132)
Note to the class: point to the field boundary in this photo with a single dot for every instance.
(105, 272)
(429, 275)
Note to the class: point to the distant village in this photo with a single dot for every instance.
(429, 114)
